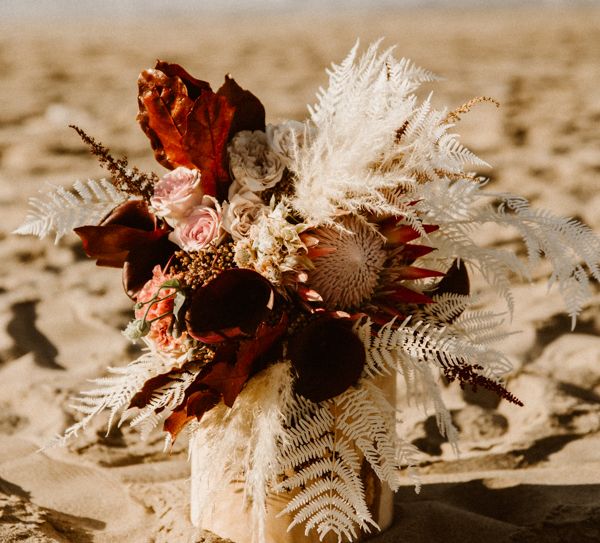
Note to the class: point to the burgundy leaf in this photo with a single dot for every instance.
(142, 259)
(456, 281)
(249, 111)
(205, 140)
(129, 237)
(129, 225)
(234, 303)
(327, 356)
(231, 371)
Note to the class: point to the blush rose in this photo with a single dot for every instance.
(200, 227)
(176, 194)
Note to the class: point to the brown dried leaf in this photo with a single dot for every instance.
(249, 111)
(205, 140)
(164, 106)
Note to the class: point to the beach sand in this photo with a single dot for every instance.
(525, 474)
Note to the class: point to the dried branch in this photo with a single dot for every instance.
(465, 108)
(129, 180)
(468, 374)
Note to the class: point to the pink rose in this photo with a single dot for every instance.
(176, 194)
(160, 311)
(201, 226)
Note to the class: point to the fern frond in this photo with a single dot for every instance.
(168, 396)
(339, 77)
(62, 210)
(564, 242)
(114, 393)
(330, 495)
(370, 137)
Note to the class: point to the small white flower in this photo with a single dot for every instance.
(254, 165)
(273, 245)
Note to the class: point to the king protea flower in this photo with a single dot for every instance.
(362, 266)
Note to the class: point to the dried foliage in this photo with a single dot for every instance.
(63, 210)
(190, 125)
(292, 273)
(129, 180)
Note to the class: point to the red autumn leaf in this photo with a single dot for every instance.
(205, 139)
(200, 402)
(232, 369)
(196, 403)
(327, 356)
(164, 106)
(193, 86)
(176, 422)
(190, 125)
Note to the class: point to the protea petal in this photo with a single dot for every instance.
(396, 235)
(404, 295)
(411, 252)
(412, 272)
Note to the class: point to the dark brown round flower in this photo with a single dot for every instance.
(327, 356)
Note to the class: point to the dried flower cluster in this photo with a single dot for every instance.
(279, 272)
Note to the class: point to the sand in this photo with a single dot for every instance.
(529, 474)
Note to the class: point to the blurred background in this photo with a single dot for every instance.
(524, 474)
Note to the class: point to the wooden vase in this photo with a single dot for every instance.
(230, 518)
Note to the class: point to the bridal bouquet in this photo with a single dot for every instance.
(283, 275)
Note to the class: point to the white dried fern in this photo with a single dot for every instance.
(419, 350)
(330, 495)
(326, 444)
(114, 393)
(62, 210)
(461, 207)
(354, 154)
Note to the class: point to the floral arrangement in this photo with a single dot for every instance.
(282, 274)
